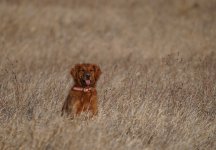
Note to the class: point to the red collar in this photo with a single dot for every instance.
(86, 89)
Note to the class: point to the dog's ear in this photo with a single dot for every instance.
(97, 71)
(74, 70)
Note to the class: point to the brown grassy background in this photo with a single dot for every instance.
(158, 86)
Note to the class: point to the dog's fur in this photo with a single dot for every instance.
(79, 101)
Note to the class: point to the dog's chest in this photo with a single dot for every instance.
(83, 97)
(86, 98)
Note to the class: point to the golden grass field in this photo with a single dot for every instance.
(157, 90)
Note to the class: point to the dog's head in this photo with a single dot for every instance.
(85, 75)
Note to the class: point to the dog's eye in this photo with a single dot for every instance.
(91, 70)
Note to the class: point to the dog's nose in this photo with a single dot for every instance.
(87, 75)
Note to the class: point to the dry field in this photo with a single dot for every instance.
(157, 91)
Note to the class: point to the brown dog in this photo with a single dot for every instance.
(83, 95)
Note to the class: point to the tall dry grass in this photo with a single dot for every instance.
(158, 86)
